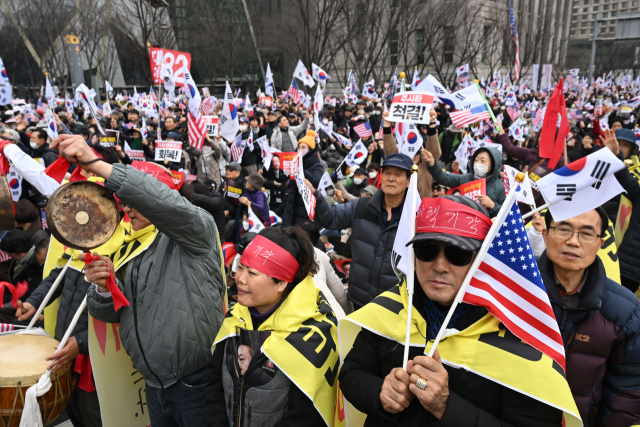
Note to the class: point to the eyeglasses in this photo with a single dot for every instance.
(586, 237)
(428, 251)
(365, 193)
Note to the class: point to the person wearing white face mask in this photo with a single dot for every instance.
(40, 147)
(487, 164)
(250, 159)
(359, 183)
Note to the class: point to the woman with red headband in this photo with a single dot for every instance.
(275, 358)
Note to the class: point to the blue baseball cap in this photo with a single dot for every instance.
(626, 135)
(398, 160)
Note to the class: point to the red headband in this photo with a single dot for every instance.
(270, 259)
(441, 215)
(156, 171)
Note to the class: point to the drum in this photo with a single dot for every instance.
(82, 215)
(21, 366)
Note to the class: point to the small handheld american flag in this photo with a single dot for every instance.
(363, 130)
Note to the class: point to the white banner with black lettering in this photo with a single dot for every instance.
(170, 150)
(307, 197)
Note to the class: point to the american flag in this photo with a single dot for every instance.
(363, 130)
(197, 130)
(514, 32)
(237, 148)
(43, 215)
(513, 112)
(6, 327)
(40, 107)
(208, 106)
(4, 256)
(465, 117)
(509, 285)
(152, 95)
(536, 117)
(295, 93)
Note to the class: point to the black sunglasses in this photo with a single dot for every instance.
(429, 251)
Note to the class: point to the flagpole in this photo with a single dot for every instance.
(413, 187)
(488, 106)
(541, 208)
(497, 223)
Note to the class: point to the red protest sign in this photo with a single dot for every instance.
(266, 101)
(287, 163)
(174, 58)
(178, 178)
(472, 189)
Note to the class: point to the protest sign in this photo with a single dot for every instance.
(211, 123)
(170, 150)
(472, 189)
(178, 178)
(287, 163)
(110, 139)
(120, 387)
(267, 101)
(174, 59)
(134, 154)
(411, 107)
(307, 197)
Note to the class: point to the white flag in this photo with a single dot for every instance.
(255, 226)
(269, 87)
(167, 76)
(582, 185)
(464, 151)
(357, 154)
(302, 73)
(525, 195)
(87, 95)
(107, 87)
(399, 255)
(319, 74)
(5, 87)
(51, 97)
(52, 126)
(247, 105)
(191, 90)
(318, 100)
(368, 91)
(460, 100)
(324, 183)
(416, 79)
(408, 138)
(106, 108)
(229, 118)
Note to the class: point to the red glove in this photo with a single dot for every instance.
(119, 299)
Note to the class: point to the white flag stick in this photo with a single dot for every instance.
(46, 299)
(413, 186)
(497, 223)
(541, 208)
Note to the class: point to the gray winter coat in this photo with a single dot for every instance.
(207, 166)
(175, 287)
(294, 133)
(495, 186)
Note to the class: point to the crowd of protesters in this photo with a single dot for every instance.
(346, 249)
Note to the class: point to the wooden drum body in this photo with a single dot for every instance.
(22, 363)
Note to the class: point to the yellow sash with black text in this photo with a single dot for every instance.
(303, 344)
(485, 348)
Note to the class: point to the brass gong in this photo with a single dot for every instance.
(82, 215)
(7, 215)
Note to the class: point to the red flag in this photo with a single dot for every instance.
(16, 291)
(552, 146)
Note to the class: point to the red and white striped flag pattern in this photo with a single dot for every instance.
(6, 327)
(4, 256)
(513, 112)
(197, 131)
(466, 117)
(208, 106)
(363, 130)
(537, 116)
(237, 148)
(508, 284)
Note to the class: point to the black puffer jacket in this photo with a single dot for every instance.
(295, 210)
(71, 292)
(474, 401)
(371, 243)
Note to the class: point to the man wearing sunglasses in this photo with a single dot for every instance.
(429, 393)
(599, 320)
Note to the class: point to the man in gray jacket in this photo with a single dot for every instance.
(285, 137)
(175, 287)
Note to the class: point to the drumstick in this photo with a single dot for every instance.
(49, 294)
(20, 306)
